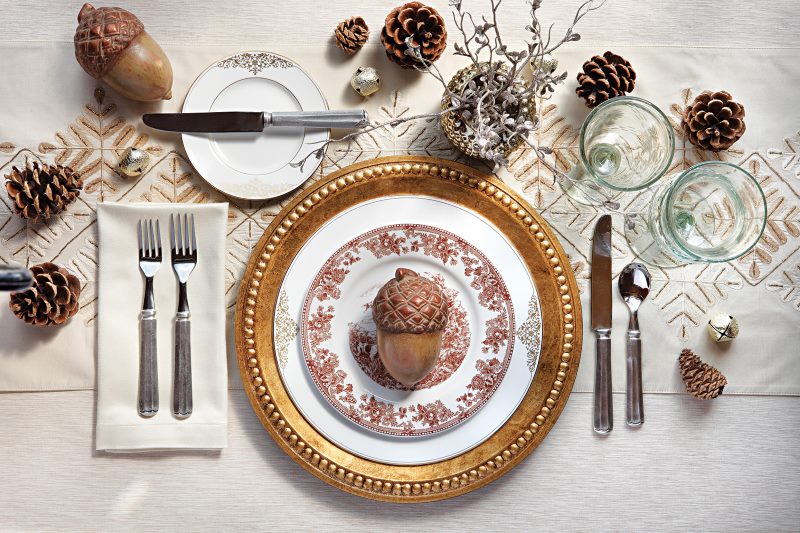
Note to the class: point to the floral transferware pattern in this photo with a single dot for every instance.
(255, 62)
(481, 364)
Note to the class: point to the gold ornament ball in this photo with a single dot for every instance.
(365, 81)
(133, 162)
(723, 328)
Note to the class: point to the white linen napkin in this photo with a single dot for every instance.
(120, 293)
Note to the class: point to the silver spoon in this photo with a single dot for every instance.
(634, 285)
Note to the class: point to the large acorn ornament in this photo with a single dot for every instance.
(111, 45)
(410, 313)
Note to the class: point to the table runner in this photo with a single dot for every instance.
(54, 112)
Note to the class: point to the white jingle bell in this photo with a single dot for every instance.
(365, 81)
(723, 328)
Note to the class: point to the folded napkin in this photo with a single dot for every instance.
(120, 293)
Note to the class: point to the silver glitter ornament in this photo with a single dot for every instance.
(723, 328)
(365, 81)
(133, 162)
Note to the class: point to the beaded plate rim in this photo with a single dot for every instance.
(526, 428)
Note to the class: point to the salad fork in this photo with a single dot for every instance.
(149, 263)
(184, 259)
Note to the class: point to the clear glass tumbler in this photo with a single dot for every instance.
(713, 212)
(626, 144)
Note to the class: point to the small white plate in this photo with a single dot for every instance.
(255, 166)
(439, 216)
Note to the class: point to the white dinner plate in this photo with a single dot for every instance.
(255, 166)
(480, 266)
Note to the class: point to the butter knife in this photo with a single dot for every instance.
(250, 121)
(601, 324)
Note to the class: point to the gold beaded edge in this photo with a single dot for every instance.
(368, 486)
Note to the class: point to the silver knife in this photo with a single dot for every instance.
(601, 324)
(245, 121)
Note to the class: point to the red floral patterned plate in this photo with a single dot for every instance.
(325, 336)
(476, 344)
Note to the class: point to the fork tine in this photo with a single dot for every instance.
(139, 237)
(178, 236)
(186, 242)
(152, 240)
(146, 238)
(194, 238)
(172, 234)
(158, 237)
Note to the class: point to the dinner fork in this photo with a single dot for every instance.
(184, 259)
(149, 262)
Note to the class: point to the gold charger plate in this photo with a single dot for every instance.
(525, 230)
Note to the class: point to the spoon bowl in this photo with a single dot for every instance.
(634, 286)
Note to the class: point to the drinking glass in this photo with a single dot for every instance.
(713, 212)
(626, 144)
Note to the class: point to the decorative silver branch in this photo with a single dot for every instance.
(490, 105)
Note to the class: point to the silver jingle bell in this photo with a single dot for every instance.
(365, 81)
(133, 162)
(723, 328)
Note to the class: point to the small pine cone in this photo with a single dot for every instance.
(52, 299)
(713, 121)
(39, 192)
(351, 34)
(422, 25)
(702, 380)
(605, 77)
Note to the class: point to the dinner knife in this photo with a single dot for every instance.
(601, 324)
(248, 121)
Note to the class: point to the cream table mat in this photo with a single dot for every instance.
(52, 111)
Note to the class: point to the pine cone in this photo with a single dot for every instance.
(605, 77)
(41, 192)
(702, 380)
(713, 121)
(425, 27)
(351, 34)
(52, 299)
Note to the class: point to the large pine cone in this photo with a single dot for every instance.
(410, 304)
(101, 36)
(605, 77)
(52, 299)
(713, 121)
(702, 380)
(39, 192)
(351, 34)
(425, 28)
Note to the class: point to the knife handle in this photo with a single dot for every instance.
(603, 405)
(351, 118)
(634, 404)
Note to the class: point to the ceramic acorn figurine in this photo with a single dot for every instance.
(111, 45)
(410, 313)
